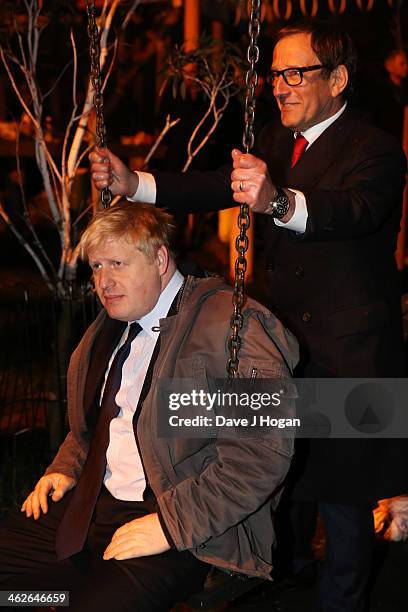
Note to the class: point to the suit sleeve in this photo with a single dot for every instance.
(194, 191)
(242, 478)
(370, 193)
(69, 459)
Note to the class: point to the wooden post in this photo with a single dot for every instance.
(402, 236)
(191, 24)
(191, 38)
(226, 218)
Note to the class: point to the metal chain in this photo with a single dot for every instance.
(96, 79)
(241, 242)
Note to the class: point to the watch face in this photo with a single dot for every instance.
(280, 204)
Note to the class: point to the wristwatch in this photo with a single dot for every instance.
(279, 205)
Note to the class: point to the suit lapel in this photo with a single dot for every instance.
(102, 349)
(149, 374)
(315, 162)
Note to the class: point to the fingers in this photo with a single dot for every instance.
(59, 492)
(36, 502)
(140, 538)
(44, 489)
(247, 161)
(122, 552)
(101, 170)
(102, 179)
(119, 544)
(240, 198)
(249, 176)
(63, 484)
(99, 156)
(107, 170)
(243, 185)
(24, 507)
(245, 189)
(250, 181)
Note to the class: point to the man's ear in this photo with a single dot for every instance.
(162, 259)
(338, 80)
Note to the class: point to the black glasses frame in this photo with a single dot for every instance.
(274, 74)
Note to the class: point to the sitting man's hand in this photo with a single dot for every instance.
(141, 537)
(107, 170)
(55, 483)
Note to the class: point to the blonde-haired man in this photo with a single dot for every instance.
(134, 519)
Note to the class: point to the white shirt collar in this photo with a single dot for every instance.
(152, 318)
(313, 133)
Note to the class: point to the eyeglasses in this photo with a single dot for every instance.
(292, 76)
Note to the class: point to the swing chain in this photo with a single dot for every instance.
(96, 79)
(241, 243)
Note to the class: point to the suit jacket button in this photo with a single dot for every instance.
(300, 271)
(306, 316)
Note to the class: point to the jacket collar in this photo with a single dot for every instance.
(320, 155)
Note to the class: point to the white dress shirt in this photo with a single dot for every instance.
(124, 475)
(146, 192)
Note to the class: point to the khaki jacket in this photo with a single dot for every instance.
(216, 496)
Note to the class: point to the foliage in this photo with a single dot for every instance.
(211, 70)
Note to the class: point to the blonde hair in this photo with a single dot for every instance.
(146, 226)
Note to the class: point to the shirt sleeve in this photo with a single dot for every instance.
(146, 191)
(299, 219)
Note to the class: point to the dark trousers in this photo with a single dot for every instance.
(146, 584)
(349, 546)
(349, 530)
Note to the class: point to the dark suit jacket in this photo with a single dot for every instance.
(336, 286)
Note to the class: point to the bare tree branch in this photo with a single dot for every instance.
(168, 125)
(26, 245)
(27, 218)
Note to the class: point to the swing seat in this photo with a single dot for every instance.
(221, 588)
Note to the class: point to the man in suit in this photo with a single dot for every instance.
(330, 189)
(126, 519)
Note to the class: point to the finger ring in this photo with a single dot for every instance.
(241, 188)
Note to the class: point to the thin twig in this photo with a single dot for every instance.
(84, 212)
(81, 157)
(168, 125)
(27, 217)
(129, 14)
(66, 177)
(26, 246)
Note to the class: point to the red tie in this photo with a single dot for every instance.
(298, 148)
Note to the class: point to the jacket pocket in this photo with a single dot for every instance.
(254, 368)
(359, 319)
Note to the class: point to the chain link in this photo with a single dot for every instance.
(96, 79)
(241, 242)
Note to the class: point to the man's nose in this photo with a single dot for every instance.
(280, 87)
(105, 278)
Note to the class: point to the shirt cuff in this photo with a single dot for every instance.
(146, 192)
(299, 219)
